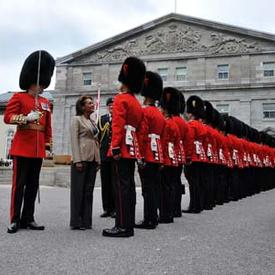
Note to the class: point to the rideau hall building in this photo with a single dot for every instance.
(232, 67)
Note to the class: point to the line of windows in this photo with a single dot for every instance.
(181, 73)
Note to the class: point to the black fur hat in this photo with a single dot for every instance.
(209, 112)
(195, 106)
(29, 72)
(237, 127)
(182, 103)
(153, 86)
(132, 74)
(170, 100)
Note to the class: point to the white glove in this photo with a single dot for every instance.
(32, 116)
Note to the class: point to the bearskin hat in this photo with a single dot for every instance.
(195, 106)
(132, 74)
(209, 112)
(29, 72)
(182, 103)
(170, 100)
(153, 86)
(237, 127)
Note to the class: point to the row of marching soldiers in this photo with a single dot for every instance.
(218, 165)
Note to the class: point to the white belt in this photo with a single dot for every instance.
(128, 137)
(154, 144)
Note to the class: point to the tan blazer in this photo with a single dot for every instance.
(85, 146)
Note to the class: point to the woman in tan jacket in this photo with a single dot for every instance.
(86, 160)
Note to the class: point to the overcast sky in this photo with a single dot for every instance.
(64, 26)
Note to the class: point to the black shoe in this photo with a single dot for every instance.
(165, 220)
(146, 225)
(32, 225)
(13, 227)
(118, 232)
(105, 214)
(177, 215)
(78, 228)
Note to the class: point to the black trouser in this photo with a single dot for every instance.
(150, 180)
(125, 193)
(107, 187)
(82, 187)
(167, 193)
(178, 192)
(24, 184)
(194, 177)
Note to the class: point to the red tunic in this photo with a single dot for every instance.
(127, 117)
(29, 142)
(184, 136)
(150, 136)
(170, 138)
(197, 134)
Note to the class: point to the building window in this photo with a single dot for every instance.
(163, 72)
(223, 108)
(223, 71)
(181, 73)
(269, 68)
(87, 79)
(269, 110)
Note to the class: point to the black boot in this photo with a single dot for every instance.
(31, 225)
(13, 227)
(146, 225)
(118, 232)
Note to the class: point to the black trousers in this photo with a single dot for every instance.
(125, 193)
(107, 187)
(82, 188)
(167, 193)
(150, 180)
(25, 182)
(193, 174)
(178, 191)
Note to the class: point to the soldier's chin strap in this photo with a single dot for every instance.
(37, 109)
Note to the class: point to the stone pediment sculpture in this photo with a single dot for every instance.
(173, 37)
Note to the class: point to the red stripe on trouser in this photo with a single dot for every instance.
(119, 197)
(13, 189)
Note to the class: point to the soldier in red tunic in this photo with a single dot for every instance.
(150, 141)
(127, 118)
(184, 136)
(170, 104)
(32, 115)
(196, 155)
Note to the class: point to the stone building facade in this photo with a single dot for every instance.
(232, 67)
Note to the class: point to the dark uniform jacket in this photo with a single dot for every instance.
(105, 135)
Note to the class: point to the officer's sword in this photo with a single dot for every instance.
(37, 110)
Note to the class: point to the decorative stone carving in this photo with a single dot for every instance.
(227, 44)
(173, 38)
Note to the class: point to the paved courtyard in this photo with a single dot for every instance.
(236, 238)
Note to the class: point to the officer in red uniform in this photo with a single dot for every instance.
(150, 141)
(127, 118)
(170, 140)
(32, 115)
(184, 131)
(195, 155)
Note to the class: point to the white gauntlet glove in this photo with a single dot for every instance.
(32, 116)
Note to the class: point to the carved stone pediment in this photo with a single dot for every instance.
(173, 38)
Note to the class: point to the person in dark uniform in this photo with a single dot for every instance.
(106, 173)
(32, 115)
(127, 118)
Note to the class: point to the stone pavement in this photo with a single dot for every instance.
(236, 238)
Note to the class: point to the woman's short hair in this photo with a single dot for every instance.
(80, 104)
